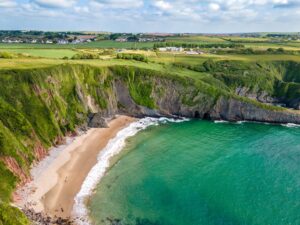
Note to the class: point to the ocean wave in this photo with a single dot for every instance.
(291, 125)
(241, 122)
(114, 147)
(221, 121)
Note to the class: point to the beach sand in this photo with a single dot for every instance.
(56, 184)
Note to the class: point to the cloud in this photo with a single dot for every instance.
(163, 5)
(81, 9)
(55, 3)
(281, 2)
(7, 4)
(286, 4)
(214, 7)
(154, 15)
(121, 4)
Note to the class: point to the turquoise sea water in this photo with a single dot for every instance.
(200, 172)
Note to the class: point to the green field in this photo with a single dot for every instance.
(157, 61)
(258, 43)
(247, 39)
(199, 59)
(60, 51)
(197, 39)
(46, 53)
(96, 44)
(248, 42)
(178, 63)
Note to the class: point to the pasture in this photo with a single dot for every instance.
(96, 44)
(45, 53)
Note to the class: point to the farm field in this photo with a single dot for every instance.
(42, 55)
(198, 59)
(198, 39)
(96, 44)
(258, 43)
(46, 53)
(45, 50)
(247, 39)
(159, 62)
(263, 46)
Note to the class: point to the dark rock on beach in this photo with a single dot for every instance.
(97, 121)
(44, 219)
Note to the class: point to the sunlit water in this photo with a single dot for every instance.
(200, 172)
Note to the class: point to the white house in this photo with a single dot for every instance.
(121, 39)
(162, 49)
(171, 49)
(192, 53)
(62, 42)
(76, 41)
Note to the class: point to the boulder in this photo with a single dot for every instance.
(97, 121)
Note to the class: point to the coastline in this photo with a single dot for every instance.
(58, 178)
(115, 146)
(64, 181)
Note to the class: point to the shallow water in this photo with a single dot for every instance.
(201, 172)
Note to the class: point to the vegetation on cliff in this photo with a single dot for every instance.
(39, 106)
(11, 215)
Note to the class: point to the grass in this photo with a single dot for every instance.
(197, 39)
(173, 58)
(264, 46)
(96, 44)
(247, 39)
(199, 59)
(250, 42)
(46, 53)
(11, 216)
(160, 62)
(27, 63)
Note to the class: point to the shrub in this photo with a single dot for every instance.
(5, 55)
(85, 56)
(136, 57)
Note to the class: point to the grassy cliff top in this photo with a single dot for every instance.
(156, 58)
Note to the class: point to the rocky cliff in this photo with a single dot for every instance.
(39, 107)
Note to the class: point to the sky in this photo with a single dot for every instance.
(165, 16)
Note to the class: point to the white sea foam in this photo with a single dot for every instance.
(291, 125)
(241, 122)
(113, 148)
(221, 121)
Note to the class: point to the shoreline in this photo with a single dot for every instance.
(115, 146)
(58, 178)
(63, 181)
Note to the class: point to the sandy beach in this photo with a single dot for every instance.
(57, 181)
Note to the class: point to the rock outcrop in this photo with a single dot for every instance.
(235, 110)
(260, 96)
(97, 121)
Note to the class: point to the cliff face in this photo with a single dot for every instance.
(176, 97)
(236, 110)
(39, 107)
(204, 107)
